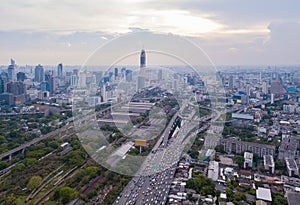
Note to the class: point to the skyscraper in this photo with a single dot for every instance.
(140, 83)
(60, 70)
(143, 71)
(1, 85)
(21, 76)
(160, 75)
(116, 73)
(39, 73)
(82, 79)
(231, 82)
(264, 87)
(143, 59)
(128, 75)
(4, 77)
(11, 70)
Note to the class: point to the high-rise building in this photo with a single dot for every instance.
(11, 70)
(4, 77)
(1, 85)
(128, 75)
(143, 71)
(82, 79)
(39, 73)
(50, 83)
(60, 70)
(21, 76)
(264, 87)
(18, 90)
(74, 80)
(140, 83)
(116, 73)
(231, 83)
(143, 59)
(160, 75)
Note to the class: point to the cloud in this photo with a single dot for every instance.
(31, 30)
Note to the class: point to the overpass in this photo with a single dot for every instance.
(57, 132)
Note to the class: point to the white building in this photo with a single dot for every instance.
(213, 170)
(248, 159)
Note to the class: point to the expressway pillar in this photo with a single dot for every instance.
(10, 157)
(23, 151)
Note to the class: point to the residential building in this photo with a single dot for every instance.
(269, 163)
(292, 167)
(238, 147)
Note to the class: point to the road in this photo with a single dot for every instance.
(153, 180)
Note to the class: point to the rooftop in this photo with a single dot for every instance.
(291, 164)
(248, 156)
(268, 159)
(263, 194)
(293, 198)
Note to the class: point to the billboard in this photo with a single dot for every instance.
(140, 142)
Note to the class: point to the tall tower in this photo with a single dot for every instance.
(11, 70)
(59, 70)
(39, 73)
(143, 59)
(143, 71)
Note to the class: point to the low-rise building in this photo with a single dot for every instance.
(293, 198)
(263, 194)
(292, 167)
(213, 170)
(269, 163)
(248, 159)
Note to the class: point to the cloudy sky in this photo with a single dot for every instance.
(231, 32)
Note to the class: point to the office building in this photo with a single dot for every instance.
(265, 87)
(116, 72)
(140, 83)
(18, 90)
(21, 76)
(11, 70)
(82, 79)
(143, 71)
(60, 70)
(128, 75)
(74, 80)
(39, 73)
(143, 59)
(231, 83)
(160, 75)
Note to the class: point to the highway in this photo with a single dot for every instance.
(152, 183)
(153, 180)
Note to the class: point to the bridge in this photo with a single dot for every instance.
(59, 132)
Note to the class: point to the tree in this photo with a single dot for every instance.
(65, 194)
(18, 168)
(34, 182)
(3, 165)
(30, 161)
(220, 148)
(194, 153)
(239, 160)
(279, 200)
(202, 185)
(92, 193)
